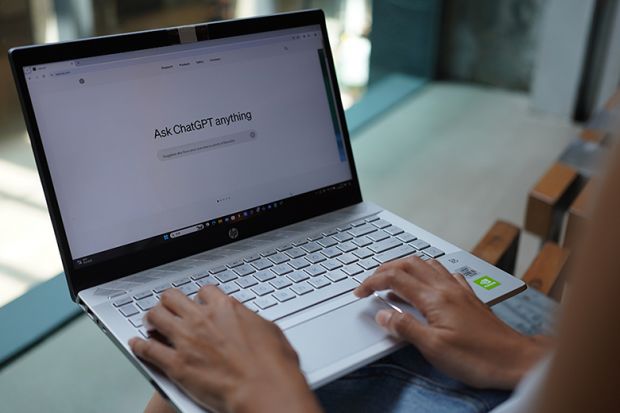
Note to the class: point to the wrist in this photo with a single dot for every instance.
(527, 352)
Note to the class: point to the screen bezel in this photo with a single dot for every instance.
(304, 207)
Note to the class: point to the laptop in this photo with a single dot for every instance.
(218, 154)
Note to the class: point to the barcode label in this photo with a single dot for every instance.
(466, 271)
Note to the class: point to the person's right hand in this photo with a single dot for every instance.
(463, 338)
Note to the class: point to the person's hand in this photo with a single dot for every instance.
(223, 355)
(462, 337)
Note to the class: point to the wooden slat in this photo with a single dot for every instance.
(613, 101)
(499, 246)
(593, 136)
(546, 268)
(577, 215)
(546, 201)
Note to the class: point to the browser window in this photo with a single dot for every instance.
(147, 143)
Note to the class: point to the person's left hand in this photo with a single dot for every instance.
(223, 355)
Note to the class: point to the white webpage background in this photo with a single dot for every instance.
(113, 190)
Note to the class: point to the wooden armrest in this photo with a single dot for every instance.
(594, 136)
(548, 200)
(578, 215)
(499, 246)
(545, 272)
(613, 101)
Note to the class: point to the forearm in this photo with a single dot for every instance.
(521, 355)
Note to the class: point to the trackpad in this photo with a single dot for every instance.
(338, 334)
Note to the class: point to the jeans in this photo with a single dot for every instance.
(405, 382)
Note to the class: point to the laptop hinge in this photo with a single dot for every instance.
(187, 34)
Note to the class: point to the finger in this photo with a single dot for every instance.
(400, 282)
(461, 280)
(178, 303)
(439, 269)
(210, 294)
(161, 356)
(401, 325)
(161, 319)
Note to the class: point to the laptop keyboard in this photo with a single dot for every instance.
(295, 276)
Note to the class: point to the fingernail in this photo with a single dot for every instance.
(132, 341)
(356, 292)
(383, 317)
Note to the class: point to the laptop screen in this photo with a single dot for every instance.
(150, 146)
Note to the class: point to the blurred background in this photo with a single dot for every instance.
(452, 104)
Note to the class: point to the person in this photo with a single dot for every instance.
(226, 357)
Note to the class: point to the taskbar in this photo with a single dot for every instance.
(213, 223)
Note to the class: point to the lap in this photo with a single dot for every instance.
(406, 382)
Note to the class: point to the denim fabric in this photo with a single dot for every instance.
(406, 382)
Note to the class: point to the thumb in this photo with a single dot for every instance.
(401, 325)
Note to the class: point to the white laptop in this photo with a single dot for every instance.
(218, 154)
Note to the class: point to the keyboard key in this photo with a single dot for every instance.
(344, 228)
(393, 230)
(420, 244)
(136, 320)
(315, 257)
(343, 237)
(285, 247)
(262, 289)
(122, 301)
(378, 236)
(395, 253)
(433, 252)
(278, 258)
(299, 263)
(128, 310)
(215, 270)
(295, 253)
(372, 219)
(147, 303)
(362, 241)
(362, 230)
(180, 281)
(298, 276)
(268, 253)
(358, 223)
(143, 294)
(264, 275)
(311, 247)
(199, 276)
(335, 276)
(246, 282)
(284, 295)
(352, 269)
(143, 332)
(243, 296)
(381, 223)
(262, 264)
(331, 265)
(189, 289)
(347, 259)
(422, 256)
(226, 276)
(315, 237)
(331, 252)
(384, 245)
(265, 302)
(329, 233)
(228, 288)
(282, 269)
(319, 282)
(360, 278)
(235, 264)
(251, 306)
(252, 258)
(315, 270)
(406, 237)
(245, 269)
(161, 288)
(368, 264)
(302, 288)
(300, 242)
(280, 282)
(207, 281)
(328, 242)
(346, 246)
(363, 253)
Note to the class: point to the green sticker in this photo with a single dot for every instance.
(487, 282)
